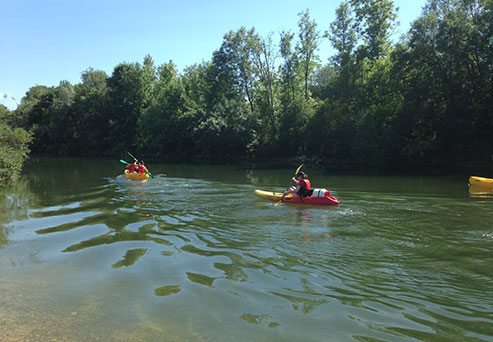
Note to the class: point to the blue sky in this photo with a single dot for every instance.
(45, 41)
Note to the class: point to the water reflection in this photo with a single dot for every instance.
(480, 192)
(167, 290)
(130, 257)
(186, 258)
(200, 279)
(263, 319)
(15, 200)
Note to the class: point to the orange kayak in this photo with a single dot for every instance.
(136, 176)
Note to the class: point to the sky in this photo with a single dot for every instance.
(43, 42)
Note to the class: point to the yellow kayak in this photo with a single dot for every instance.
(319, 199)
(136, 176)
(481, 181)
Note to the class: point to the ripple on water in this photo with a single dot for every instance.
(196, 259)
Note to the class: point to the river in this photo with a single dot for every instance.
(193, 255)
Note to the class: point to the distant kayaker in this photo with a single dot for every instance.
(142, 168)
(133, 167)
(302, 187)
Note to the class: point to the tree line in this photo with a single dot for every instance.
(425, 100)
(14, 142)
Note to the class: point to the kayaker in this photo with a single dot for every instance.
(142, 168)
(133, 167)
(302, 187)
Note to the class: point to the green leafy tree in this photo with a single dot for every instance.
(309, 39)
(375, 22)
(342, 35)
(447, 68)
(60, 123)
(34, 115)
(164, 125)
(14, 147)
(90, 122)
(288, 69)
(127, 96)
(232, 68)
(196, 85)
(264, 57)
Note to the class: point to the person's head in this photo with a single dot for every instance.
(142, 162)
(300, 175)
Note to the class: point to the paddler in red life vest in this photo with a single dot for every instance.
(142, 168)
(302, 187)
(132, 168)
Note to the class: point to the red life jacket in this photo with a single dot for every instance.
(304, 188)
(131, 168)
(308, 185)
(141, 169)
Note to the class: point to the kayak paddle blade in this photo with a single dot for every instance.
(298, 169)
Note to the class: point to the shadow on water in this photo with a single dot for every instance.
(15, 200)
(194, 255)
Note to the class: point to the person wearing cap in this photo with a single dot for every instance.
(302, 187)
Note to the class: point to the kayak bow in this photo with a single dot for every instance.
(481, 181)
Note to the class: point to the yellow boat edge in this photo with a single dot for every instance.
(481, 181)
(273, 196)
(136, 176)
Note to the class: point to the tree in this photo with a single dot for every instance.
(288, 69)
(14, 147)
(232, 68)
(90, 117)
(375, 21)
(308, 42)
(164, 125)
(450, 80)
(343, 38)
(128, 94)
(264, 60)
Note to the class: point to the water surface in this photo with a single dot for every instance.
(193, 255)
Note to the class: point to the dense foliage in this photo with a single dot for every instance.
(14, 144)
(425, 100)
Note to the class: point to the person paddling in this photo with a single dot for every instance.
(302, 188)
(142, 168)
(132, 168)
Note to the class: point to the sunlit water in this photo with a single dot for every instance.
(193, 255)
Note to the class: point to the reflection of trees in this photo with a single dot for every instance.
(130, 257)
(144, 233)
(14, 199)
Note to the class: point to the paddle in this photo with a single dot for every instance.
(297, 170)
(123, 161)
(150, 174)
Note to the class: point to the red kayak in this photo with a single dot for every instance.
(319, 197)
